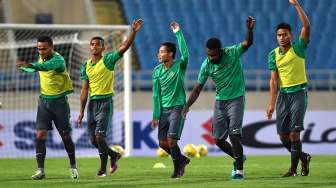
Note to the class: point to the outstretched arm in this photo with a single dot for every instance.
(25, 66)
(192, 98)
(249, 38)
(136, 26)
(181, 43)
(51, 64)
(305, 30)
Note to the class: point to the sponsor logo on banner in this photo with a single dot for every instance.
(207, 135)
(328, 136)
(17, 135)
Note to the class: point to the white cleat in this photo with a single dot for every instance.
(74, 173)
(39, 174)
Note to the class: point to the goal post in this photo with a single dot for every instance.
(19, 91)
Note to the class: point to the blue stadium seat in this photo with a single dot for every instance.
(200, 6)
(243, 5)
(325, 6)
(281, 6)
(269, 6)
(311, 5)
(262, 24)
(255, 6)
(228, 5)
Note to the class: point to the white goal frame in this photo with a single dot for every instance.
(126, 71)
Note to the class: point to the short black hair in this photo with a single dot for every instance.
(170, 46)
(98, 38)
(46, 39)
(214, 44)
(283, 25)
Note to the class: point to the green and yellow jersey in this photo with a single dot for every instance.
(168, 84)
(227, 75)
(55, 81)
(100, 75)
(290, 66)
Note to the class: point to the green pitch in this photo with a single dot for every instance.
(138, 172)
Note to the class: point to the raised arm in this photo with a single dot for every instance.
(136, 26)
(305, 30)
(83, 98)
(249, 38)
(273, 93)
(181, 43)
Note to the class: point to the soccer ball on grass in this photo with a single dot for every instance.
(190, 150)
(202, 150)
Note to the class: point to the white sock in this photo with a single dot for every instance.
(41, 169)
(240, 172)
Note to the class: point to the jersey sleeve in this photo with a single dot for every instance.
(28, 70)
(83, 75)
(55, 63)
(237, 50)
(300, 47)
(203, 73)
(183, 49)
(271, 61)
(111, 58)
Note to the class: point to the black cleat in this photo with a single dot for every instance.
(184, 162)
(289, 173)
(175, 175)
(305, 165)
(101, 173)
(114, 161)
(234, 169)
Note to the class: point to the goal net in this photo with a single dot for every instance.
(19, 91)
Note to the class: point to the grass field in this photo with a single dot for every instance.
(138, 172)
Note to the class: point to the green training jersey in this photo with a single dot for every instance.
(168, 84)
(100, 75)
(227, 75)
(55, 81)
(300, 47)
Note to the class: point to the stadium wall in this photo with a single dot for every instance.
(317, 100)
(260, 137)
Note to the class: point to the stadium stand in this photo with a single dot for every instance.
(201, 19)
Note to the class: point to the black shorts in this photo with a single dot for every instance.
(53, 110)
(171, 123)
(99, 113)
(290, 111)
(228, 118)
